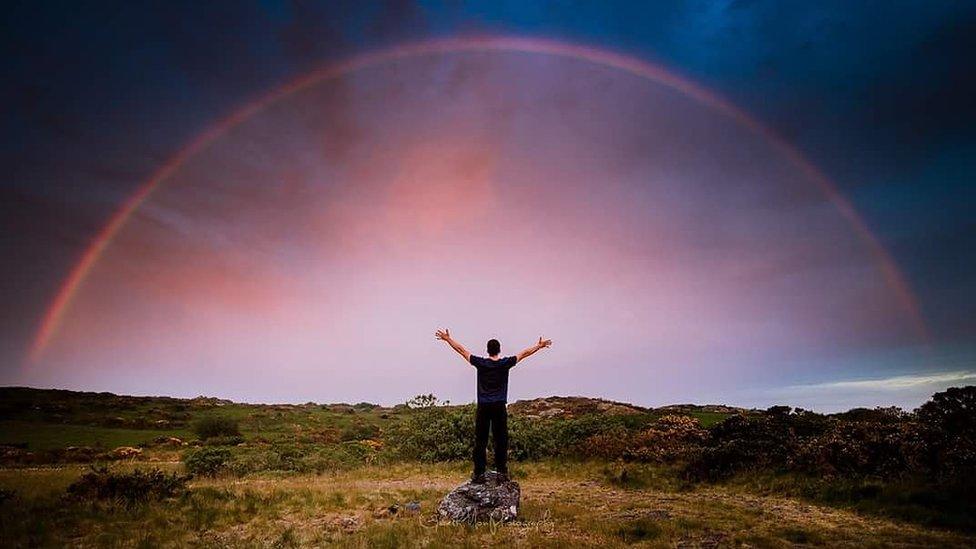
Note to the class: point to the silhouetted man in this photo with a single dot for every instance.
(492, 398)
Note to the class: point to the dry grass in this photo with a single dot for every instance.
(563, 505)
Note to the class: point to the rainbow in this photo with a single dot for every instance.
(55, 313)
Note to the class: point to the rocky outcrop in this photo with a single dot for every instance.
(497, 499)
(569, 407)
(126, 452)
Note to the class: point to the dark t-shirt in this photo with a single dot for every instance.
(493, 377)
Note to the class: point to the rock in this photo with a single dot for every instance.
(126, 452)
(497, 499)
(412, 506)
(168, 441)
(80, 453)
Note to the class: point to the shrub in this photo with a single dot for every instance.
(207, 461)
(211, 427)
(611, 444)
(531, 439)
(224, 440)
(423, 401)
(135, 487)
(950, 421)
(360, 430)
(435, 433)
(301, 458)
(744, 442)
(859, 448)
(669, 439)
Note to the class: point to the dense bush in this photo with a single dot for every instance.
(950, 420)
(207, 461)
(435, 433)
(669, 439)
(134, 487)
(862, 448)
(937, 442)
(533, 439)
(215, 426)
(301, 458)
(744, 442)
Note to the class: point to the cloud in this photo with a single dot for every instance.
(895, 383)
(906, 391)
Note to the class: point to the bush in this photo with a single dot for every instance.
(224, 440)
(669, 439)
(301, 458)
(862, 448)
(531, 439)
(135, 487)
(360, 430)
(207, 461)
(435, 433)
(744, 442)
(611, 444)
(950, 421)
(211, 427)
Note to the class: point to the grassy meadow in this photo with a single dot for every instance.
(593, 473)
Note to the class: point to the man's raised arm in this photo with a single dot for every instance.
(543, 343)
(445, 335)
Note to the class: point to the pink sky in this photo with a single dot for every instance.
(310, 253)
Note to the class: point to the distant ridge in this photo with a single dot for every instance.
(570, 406)
(542, 407)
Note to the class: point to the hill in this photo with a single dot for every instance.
(79, 468)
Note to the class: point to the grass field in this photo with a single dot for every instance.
(564, 504)
(328, 474)
(46, 436)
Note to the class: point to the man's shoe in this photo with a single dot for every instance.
(478, 478)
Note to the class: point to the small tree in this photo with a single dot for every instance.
(423, 401)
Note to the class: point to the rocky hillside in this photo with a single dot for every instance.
(684, 409)
(573, 406)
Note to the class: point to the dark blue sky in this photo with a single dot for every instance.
(879, 95)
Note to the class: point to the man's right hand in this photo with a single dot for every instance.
(445, 335)
(543, 343)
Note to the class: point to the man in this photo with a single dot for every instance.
(492, 398)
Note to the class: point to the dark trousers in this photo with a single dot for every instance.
(495, 416)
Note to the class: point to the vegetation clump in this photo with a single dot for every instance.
(217, 427)
(208, 461)
(133, 487)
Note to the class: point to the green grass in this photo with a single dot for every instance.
(564, 504)
(47, 436)
(301, 478)
(908, 500)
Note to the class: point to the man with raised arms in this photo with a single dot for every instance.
(492, 399)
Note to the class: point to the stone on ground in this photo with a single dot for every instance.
(497, 500)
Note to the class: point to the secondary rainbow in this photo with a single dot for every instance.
(61, 303)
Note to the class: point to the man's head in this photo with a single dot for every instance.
(494, 347)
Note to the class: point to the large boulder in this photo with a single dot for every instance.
(496, 499)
